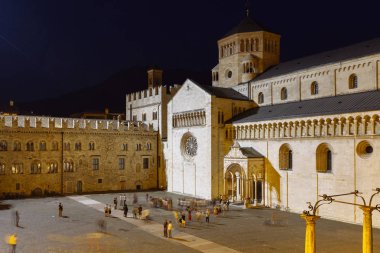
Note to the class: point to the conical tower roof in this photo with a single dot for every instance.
(248, 24)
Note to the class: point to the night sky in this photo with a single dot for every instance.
(51, 47)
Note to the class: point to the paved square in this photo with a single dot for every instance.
(236, 230)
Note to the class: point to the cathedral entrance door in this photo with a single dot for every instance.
(189, 178)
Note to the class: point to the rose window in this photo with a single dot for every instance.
(191, 146)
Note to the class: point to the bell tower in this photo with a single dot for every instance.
(154, 77)
(244, 52)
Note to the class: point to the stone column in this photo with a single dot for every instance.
(373, 124)
(224, 189)
(367, 229)
(255, 201)
(310, 232)
(232, 186)
(238, 197)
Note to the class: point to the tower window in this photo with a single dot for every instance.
(260, 98)
(228, 74)
(353, 81)
(314, 88)
(284, 94)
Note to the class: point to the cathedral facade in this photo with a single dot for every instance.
(279, 134)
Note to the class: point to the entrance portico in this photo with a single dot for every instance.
(244, 175)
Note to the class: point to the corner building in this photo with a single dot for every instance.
(280, 134)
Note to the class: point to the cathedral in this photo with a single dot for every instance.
(271, 134)
(266, 133)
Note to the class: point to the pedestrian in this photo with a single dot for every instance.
(140, 211)
(183, 215)
(16, 218)
(170, 228)
(109, 210)
(147, 197)
(135, 198)
(228, 204)
(125, 208)
(115, 202)
(189, 214)
(60, 209)
(125, 199)
(12, 241)
(166, 228)
(208, 215)
(106, 211)
(134, 211)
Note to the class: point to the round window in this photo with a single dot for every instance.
(364, 149)
(191, 146)
(228, 74)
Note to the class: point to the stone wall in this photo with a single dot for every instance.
(352, 166)
(332, 79)
(66, 155)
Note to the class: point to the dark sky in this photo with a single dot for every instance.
(51, 47)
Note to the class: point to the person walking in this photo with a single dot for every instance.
(125, 208)
(106, 211)
(115, 202)
(208, 215)
(16, 218)
(60, 209)
(166, 228)
(140, 211)
(170, 228)
(12, 241)
(189, 214)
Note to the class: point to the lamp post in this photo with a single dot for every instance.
(310, 217)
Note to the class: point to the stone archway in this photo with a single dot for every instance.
(234, 181)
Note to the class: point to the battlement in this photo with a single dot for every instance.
(56, 123)
(152, 93)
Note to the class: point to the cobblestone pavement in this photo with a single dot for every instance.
(248, 230)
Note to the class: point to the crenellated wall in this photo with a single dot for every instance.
(44, 155)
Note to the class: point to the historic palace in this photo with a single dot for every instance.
(273, 134)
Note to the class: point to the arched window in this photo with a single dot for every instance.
(91, 146)
(260, 98)
(3, 145)
(284, 94)
(2, 168)
(42, 146)
(78, 146)
(148, 146)
(353, 81)
(314, 88)
(29, 146)
(35, 167)
(17, 168)
(52, 167)
(285, 157)
(54, 146)
(66, 146)
(324, 158)
(16, 146)
(68, 166)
